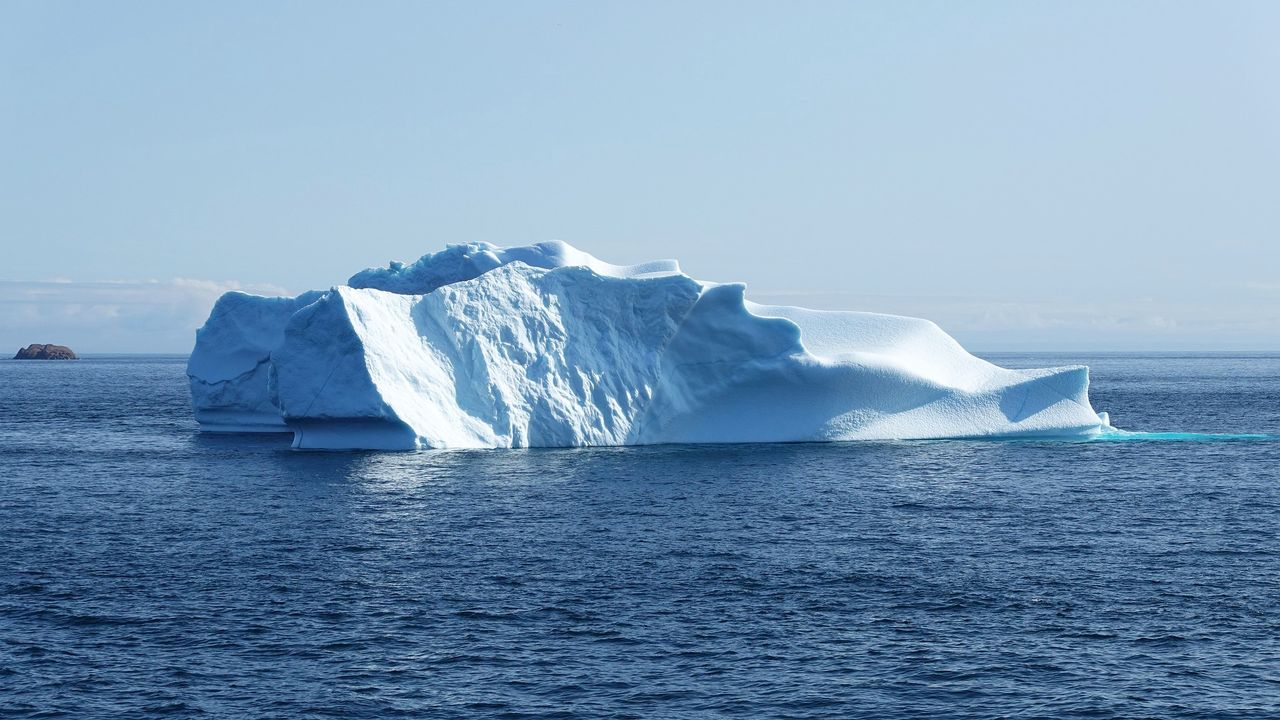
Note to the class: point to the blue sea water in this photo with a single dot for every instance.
(147, 570)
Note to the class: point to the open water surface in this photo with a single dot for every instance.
(146, 570)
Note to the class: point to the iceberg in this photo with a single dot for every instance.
(479, 346)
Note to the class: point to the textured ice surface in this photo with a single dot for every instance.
(480, 346)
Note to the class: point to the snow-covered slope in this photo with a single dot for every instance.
(478, 346)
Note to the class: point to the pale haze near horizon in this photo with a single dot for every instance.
(1074, 176)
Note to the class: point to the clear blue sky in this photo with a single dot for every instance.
(1030, 174)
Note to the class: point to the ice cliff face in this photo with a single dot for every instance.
(479, 346)
(229, 367)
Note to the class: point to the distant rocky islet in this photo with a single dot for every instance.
(36, 351)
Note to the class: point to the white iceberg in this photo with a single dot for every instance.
(545, 346)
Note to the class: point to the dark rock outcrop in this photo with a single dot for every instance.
(36, 351)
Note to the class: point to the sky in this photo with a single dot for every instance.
(1032, 176)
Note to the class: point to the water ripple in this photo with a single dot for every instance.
(149, 571)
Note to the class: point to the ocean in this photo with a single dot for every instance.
(150, 571)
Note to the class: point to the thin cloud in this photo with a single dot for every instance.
(112, 315)
(162, 316)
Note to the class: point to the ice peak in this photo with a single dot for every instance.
(466, 261)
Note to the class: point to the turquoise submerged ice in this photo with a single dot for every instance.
(545, 346)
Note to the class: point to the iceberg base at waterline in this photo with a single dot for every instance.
(545, 346)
